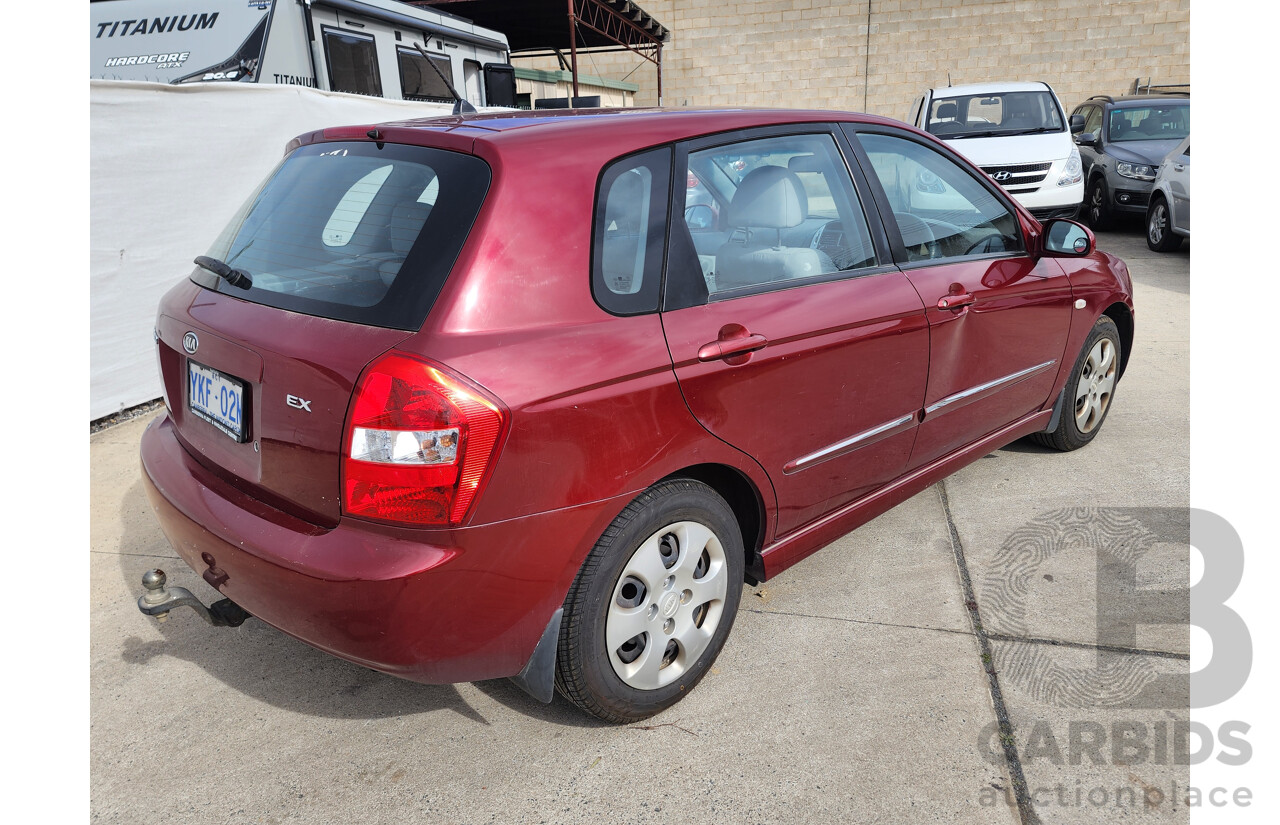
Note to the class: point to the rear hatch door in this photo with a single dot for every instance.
(347, 246)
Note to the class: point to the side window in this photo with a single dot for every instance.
(353, 63)
(430, 193)
(350, 210)
(774, 210)
(941, 210)
(1093, 122)
(419, 81)
(630, 232)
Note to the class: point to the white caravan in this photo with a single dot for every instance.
(360, 46)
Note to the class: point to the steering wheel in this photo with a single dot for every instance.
(917, 237)
(984, 240)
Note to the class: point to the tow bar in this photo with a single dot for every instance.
(158, 601)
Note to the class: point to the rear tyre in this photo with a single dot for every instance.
(1097, 210)
(1160, 235)
(1090, 390)
(653, 603)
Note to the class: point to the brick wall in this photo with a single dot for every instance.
(819, 53)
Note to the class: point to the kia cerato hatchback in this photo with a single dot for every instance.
(486, 396)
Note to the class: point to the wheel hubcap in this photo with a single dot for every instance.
(1095, 384)
(666, 606)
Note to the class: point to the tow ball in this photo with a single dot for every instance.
(159, 600)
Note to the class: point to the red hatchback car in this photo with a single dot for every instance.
(481, 396)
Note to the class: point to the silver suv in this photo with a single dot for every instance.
(1122, 142)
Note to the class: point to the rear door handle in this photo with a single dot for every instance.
(729, 347)
(956, 300)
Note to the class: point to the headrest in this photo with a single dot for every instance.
(770, 197)
(1150, 126)
(406, 222)
(806, 163)
(947, 111)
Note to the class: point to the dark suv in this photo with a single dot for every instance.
(1122, 141)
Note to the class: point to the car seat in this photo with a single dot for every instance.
(1018, 113)
(769, 200)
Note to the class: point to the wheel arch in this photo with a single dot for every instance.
(747, 505)
(1123, 318)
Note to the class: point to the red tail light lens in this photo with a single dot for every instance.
(419, 444)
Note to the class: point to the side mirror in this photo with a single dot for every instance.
(1067, 239)
(1077, 124)
(699, 216)
(1086, 139)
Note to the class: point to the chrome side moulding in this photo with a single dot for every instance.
(960, 399)
(853, 442)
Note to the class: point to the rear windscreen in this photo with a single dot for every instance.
(352, 232)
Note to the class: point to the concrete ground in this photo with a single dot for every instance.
(866, 684)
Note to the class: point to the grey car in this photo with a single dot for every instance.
(1123, 141)
(1169, 214)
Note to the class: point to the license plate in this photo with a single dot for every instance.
(217, 398)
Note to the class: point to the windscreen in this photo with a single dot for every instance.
(1008, 113)
(352, 232)
(1160, 122)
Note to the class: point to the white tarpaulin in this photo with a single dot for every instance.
(169, 166)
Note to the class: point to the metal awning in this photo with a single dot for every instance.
(554, 26)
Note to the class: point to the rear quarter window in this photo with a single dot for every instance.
(629, 232)
(355, 233)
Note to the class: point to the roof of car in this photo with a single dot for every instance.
(1138, 100)
(990, 88)
(587, 118)
(637, 126)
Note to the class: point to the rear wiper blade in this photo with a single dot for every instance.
(233, 276)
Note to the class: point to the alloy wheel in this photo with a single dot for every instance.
(1095, 384)
(1158, 223)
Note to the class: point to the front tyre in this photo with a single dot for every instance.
(1160, 234)
(1090, 390)
(653, 603)
(1097, 210)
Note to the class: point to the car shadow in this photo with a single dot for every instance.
(1026, 445)
(259, 661)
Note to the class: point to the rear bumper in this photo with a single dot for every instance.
(428, 605)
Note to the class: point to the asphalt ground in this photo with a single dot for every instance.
(970, 656)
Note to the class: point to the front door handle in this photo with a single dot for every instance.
(956, 300)
(730, 347)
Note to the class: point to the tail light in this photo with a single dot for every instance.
(419, 444)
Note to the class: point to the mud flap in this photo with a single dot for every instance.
(538, 679)
(1057, 411)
